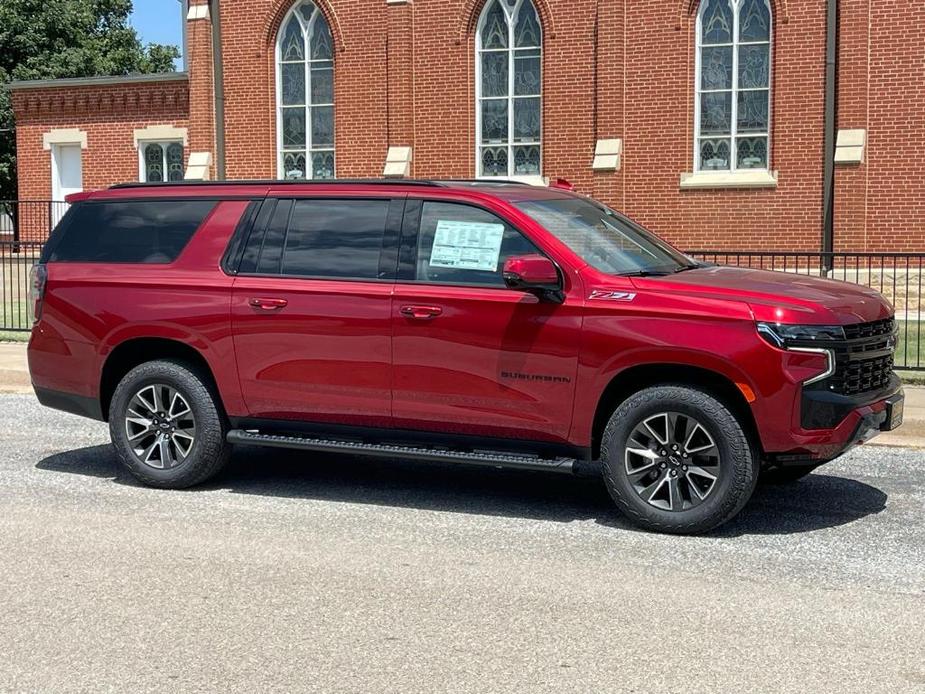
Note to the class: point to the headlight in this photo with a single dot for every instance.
(802, 340)
(783, 335)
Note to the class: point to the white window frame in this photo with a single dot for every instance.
(307, 30)
(511, 17)
(734, 90)
(142, 144)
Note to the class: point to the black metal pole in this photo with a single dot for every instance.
(828, 168)
(218, 88)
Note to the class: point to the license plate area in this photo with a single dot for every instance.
(894, 413)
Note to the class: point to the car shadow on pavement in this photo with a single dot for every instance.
(819, 501)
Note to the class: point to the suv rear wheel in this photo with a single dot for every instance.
(676, 460)
(166, 425)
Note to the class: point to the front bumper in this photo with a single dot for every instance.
(830, 424)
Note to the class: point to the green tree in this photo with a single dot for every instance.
(47, 39)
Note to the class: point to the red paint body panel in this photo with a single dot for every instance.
(91, 308)
(495, 362)
(460, 359)
(324, 356)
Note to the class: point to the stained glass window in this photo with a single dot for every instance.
(733, 85)
(305, 94)
(509, 44)
(161, 161)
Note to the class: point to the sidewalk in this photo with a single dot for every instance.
(14, 372)
(14, 378)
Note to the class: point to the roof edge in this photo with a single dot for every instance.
(16, 85)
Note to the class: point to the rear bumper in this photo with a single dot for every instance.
(70, 402)
(837, 423)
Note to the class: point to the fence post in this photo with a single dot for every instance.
(14, 217)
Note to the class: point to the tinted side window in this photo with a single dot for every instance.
(131, 231)
(461, 244)
(335, 238)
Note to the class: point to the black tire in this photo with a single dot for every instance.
(736, 466)
(208, 451)
(784, 475)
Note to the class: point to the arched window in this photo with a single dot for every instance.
(305, 94)
(732, 109)
(508, 89)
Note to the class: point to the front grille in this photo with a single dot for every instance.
(862, 376)
(872, 329)
(864, 361)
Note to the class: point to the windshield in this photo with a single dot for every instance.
(605, 239)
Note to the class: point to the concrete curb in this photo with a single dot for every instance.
(14, 378)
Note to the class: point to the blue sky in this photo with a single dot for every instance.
(158, 21)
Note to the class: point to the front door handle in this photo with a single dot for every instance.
(267, 304)
(420, 312)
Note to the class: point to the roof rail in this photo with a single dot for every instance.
(275, 182)
(445, 182)
(478, 182)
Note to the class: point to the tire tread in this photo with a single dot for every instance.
(743, 482)
(213, 451)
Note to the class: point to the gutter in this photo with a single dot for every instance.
(60, 82)
(218, 89)
(830, 106)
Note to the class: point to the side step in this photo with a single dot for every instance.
(381, 450)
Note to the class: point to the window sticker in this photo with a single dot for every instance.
(467, 245)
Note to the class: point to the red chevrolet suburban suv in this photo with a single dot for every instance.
(493, 324)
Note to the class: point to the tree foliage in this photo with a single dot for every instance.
(46, 39)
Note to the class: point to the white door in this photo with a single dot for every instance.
(66, 176)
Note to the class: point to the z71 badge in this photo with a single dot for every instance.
(612, 295)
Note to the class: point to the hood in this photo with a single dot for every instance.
(779, 296)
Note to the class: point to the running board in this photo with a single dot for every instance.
(381, 450)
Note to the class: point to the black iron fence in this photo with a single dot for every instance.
(25, 225)
(29, 220)
(898, 276)
(16, 261)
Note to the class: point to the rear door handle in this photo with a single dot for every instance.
(267, 304)
(420, 312)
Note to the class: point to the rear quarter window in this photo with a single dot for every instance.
(132, 231)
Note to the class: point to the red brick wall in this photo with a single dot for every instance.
(598, 83)
(201, 102)
(851, 180)
(612, 69)
(107, 113)
(880, 204)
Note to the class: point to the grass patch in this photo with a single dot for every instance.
(14, 314)
(14, 336)
(910, 347)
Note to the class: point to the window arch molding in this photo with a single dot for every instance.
(508, 43)
(733, 79)
(282, 8)
(687, 11)
(472, 12)
(304, 68)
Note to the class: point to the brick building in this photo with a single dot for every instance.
(706, 120)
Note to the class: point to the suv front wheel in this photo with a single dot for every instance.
(166, 425)
(676, 460)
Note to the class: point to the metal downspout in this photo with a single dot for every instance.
(218, 89)
(828, 169)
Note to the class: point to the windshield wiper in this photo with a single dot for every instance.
(684, 268)
(643, 273)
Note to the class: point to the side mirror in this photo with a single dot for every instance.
(534, 273)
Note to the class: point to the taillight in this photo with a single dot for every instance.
(37, 279)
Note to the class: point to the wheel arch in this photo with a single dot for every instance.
(634, 379)
(130, 353)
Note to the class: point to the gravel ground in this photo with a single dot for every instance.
(330, 574)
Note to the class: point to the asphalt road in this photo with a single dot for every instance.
(330, 574)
